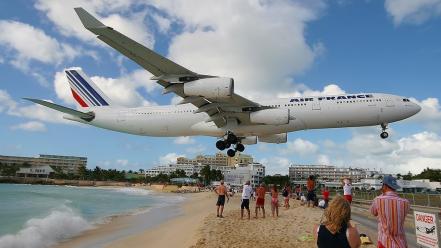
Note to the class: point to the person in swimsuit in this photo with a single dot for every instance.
(274, 201)
(260, 200)
(336, 230)
(221, 191)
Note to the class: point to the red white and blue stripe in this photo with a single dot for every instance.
(85, 92)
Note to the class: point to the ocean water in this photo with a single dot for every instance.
(34, 216)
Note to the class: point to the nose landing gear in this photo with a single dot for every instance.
(384, 134)
(230, 139)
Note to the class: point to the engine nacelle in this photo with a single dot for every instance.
(274, 138)
(270, 116)
(213, 88)
(250, 140)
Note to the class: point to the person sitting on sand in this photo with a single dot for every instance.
(336, 230)
(246, 194)
(221, 191)
(274, 201)
(260, 200)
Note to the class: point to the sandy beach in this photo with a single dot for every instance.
(197, 226)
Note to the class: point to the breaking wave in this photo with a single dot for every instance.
(44, 232)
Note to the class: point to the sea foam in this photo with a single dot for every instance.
(44, 232)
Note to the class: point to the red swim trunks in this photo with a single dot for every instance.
(348, 198)
(260, 202)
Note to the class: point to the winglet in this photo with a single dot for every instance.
(89, 21)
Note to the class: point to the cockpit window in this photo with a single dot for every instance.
(406, 100)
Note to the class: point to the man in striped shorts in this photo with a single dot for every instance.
(391, 211)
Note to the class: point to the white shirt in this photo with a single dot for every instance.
(246, 191)
(347, 189)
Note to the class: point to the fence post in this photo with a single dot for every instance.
(428, 200)
(413, 198)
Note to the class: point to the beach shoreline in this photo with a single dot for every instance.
(121, 230)
(193, 223)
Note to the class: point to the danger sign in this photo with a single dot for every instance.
(426, 229)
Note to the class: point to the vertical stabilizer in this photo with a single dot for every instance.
(85, 92)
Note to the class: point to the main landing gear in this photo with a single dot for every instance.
(230, 139)
(384, 134)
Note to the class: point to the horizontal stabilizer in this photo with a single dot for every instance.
(89, 116)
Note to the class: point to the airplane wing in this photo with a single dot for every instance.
(89, 116)
(167, 73)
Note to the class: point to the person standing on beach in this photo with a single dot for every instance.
(336, 230)
(274, 201)
(260, 200)
(347, 189)
(326, 196)
(246, 194)
(310, 186)
(286, 193)
(391, 211)
(221, 191)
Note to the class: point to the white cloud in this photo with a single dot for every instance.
(323, 159)
(123, 91)
(170, 158)
(276, 165)
(33, 111)
(299, 147)
(231, 38)
(31, 126)
(131, 23)
(175, 100)
(412, 153)
(430, 114)
(412, 12)
(163, 23)
(184, 140)
(20, 51)
(330, 89)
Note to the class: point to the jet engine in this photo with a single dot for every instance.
(213, 88)
(274, 138)
(270, 116)
(250, 140)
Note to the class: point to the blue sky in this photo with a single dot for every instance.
(271, 48)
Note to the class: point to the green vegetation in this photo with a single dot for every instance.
(10, 170)
(277, 180)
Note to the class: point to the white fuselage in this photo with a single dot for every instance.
(305, 113)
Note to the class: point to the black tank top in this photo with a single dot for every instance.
(328, 240)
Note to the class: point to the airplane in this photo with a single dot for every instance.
(211, 107)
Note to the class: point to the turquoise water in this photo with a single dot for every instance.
(40, 215)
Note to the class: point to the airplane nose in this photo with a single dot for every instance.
(417, 108)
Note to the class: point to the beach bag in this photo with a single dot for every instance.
(285, 193)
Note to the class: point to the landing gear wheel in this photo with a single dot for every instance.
(240, 147)
(384, 135)
(231, 153)
(221, 145)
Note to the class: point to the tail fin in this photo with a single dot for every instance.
(85, 92)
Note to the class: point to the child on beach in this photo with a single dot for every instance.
(274, 201)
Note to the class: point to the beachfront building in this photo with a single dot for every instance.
(66, 164)
(253, 172)
(219, 159)
(327, 173)
(189, 169)
(36, 171)
(407, 186)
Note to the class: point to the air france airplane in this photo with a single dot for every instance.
(210, 106)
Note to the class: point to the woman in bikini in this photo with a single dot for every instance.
(274, 201)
